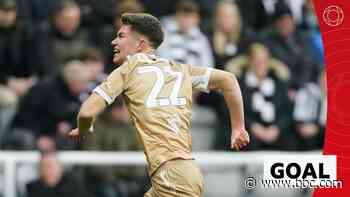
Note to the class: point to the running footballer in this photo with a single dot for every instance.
(158, 95)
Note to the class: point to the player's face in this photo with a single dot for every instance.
(126, 43)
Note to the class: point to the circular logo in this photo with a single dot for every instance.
(333, 15)
(250, 183)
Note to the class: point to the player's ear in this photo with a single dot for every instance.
(141, 45)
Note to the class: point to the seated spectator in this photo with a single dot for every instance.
(113, 132)
(184, 42)
(62, 40)
(240, 63)
(16, 69)
(290, 46)
(229, 38)
(94, 60)
(8, 103)
(310, 115)
(53, 181)
(50, 108)
(311, 26)
(265, 101)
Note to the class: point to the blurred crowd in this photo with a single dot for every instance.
(54, 52)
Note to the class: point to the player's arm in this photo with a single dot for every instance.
(227, 83)
(91, 108)
(102, 96)
(88, 112)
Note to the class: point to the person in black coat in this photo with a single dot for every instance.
(60, 40)
(50, 107)
(16, 68)
(229, 37)
(53, 181)
(290, 46)
(265, 102)
(15, 43)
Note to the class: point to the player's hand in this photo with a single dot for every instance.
(75, 135)
(239, 138)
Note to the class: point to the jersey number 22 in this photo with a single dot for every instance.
(160, 73)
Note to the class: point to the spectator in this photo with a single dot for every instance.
(114, 132)
(8, 102)
(104, 35)
(310, 115)
(131, 6)
(184, 41)
(290, 46)
(229, 38)
(62, 40)
(44, 112)
(265, 101)
(53, 181)
(16, 70)
(310, 25)
(239, 65)
(94, 60)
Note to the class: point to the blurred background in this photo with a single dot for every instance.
(54, 52)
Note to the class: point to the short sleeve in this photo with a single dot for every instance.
(200, 77)
(114, 85)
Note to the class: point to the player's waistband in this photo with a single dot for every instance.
(168, 161)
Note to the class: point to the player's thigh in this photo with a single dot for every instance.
(178, 178)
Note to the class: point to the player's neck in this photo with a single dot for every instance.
(148, 51)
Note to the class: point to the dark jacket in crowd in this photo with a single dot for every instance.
(15, 52)
(254, 14)
(47, 104)
(53, 48)
(295, 53)
(67, 187)
(39, 10)
(95, 13)
(232, 50)
(267, 105)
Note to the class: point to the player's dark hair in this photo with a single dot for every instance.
(146, 25)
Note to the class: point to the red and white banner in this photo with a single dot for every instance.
(334, 20)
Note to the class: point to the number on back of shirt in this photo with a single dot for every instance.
(161, 73)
